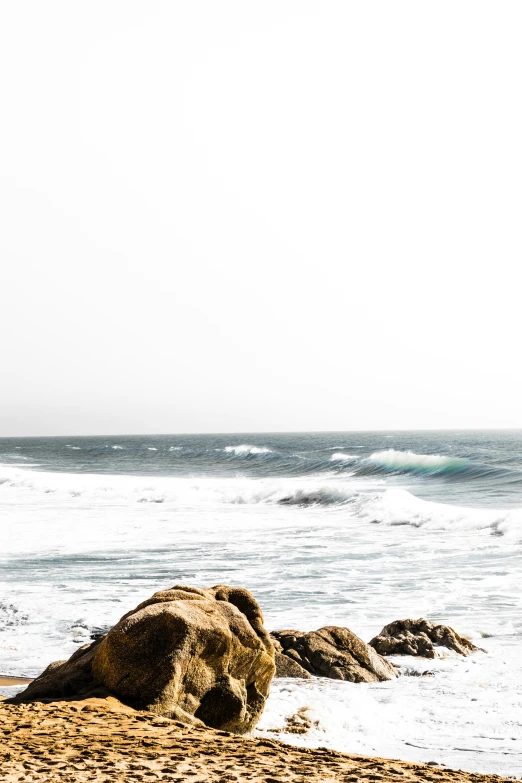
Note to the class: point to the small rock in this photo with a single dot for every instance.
(336, 653)
(420, 637)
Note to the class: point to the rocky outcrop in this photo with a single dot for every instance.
(196, 655)
(420, 637)
(336, 653)
(286, 666)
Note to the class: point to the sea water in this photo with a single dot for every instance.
(352, 529)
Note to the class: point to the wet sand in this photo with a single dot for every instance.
(100, 739)
(6, 680)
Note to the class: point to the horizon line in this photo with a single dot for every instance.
(265, 432)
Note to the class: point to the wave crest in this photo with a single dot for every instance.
(245, 449)
(408, 461)
(394, 506)
(177, 491)
(340, 456)
(398, 507)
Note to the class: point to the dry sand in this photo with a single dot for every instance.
(99, 739)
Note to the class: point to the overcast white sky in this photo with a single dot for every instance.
(246, 216)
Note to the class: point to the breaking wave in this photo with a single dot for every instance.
(371, 502)
(408, 461)
(398, 507)
(244, 449)
(392, 462)
(178, 491)
(272, 460)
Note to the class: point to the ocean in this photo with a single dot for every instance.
(355, 529)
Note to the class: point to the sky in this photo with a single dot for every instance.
(241, 216)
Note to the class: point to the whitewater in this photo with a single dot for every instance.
(352, 529)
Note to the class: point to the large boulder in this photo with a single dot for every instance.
(197, 655)
(336, 653)
(420, 637)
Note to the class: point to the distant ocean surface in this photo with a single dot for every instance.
(355, 529)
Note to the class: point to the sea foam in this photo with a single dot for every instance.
(397, 507)
(480, 729)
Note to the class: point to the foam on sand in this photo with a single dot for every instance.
(402, 719)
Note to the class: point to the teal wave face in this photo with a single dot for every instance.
(408, 461)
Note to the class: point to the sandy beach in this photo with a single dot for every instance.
(100, 739)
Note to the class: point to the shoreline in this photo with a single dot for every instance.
(7, 680)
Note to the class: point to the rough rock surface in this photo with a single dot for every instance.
(285, 666)
(336, 653)
(419, 637)
(196, 655)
